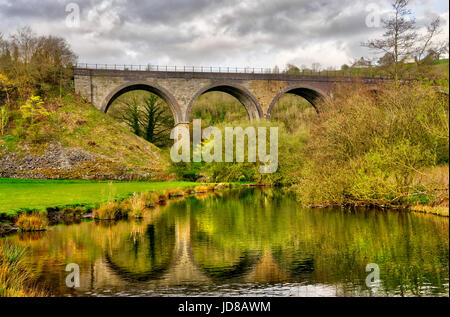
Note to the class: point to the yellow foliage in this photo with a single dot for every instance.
(33, 109)
(34, 222)
(5, 82)
(109, 211)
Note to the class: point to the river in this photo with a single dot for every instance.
(246, 242)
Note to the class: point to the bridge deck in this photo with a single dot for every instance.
(216, 72)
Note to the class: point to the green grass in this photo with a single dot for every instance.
(18, 194)
(440, 62)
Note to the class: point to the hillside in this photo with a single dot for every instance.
(77, 141)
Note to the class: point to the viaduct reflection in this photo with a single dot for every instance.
(182, 249)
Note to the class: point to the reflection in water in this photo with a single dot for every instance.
(246, 242)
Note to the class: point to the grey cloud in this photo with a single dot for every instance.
(204, 32)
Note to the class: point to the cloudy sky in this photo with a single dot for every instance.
(241, 33)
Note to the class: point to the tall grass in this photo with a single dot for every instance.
(137, 205)
(108, 211)
(15, 276)
(35, 221)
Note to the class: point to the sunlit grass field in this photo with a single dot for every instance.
(18, 194)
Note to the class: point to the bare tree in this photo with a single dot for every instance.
(426, 42)
(441, 48)
(399, 37)
(316, 67)
(36, 63)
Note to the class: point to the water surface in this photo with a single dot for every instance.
(246, 243)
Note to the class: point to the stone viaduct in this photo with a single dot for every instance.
(258, 92)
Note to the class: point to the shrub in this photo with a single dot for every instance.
(176, 192)
(369, 149)
(31, 122)
(73, 212)
(189, 191)
(36, 221)
(160, 197)
(201, 189)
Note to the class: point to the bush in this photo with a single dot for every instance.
(108, 211)
(369, 149)
(201, 189)
(160, 197)
(176, 192)
(36, 221)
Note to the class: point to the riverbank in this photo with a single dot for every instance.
(66, 199)
(18, 195)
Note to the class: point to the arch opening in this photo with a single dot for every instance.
(144, 110)
(242, 95)
(158, 91)
(312, 96)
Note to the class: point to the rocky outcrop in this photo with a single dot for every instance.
(58, 162)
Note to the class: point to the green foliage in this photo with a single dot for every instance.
(131, 116)
(156, 120)
(187, 171)
(146, 115)
(216, 107)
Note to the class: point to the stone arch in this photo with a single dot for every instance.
(153, 88)
(311, 94)
(242, 94)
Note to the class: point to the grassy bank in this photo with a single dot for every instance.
(74, 140)
(17, 194)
